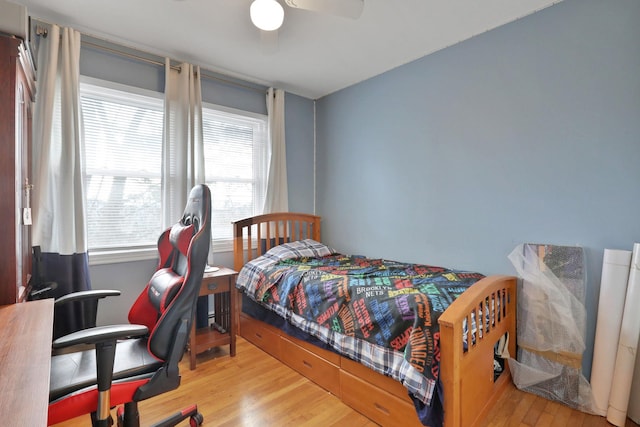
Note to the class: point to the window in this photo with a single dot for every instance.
(123, 149)
(235, 156)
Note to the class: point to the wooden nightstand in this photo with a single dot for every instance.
(220, 283)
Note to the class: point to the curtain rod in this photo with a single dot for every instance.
(42, 31)
(174, 67)
(127, 54)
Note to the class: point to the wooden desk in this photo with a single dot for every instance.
(26, 331)
(220, 283)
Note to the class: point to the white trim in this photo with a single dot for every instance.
(232, 110)
(121, 87)
(113, 256)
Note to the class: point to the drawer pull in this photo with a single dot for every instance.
(307, 364)
(212, 286)
(258, 335)
(381, 408)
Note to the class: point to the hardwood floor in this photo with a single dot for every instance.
(253, 389)
(250, 389)
(517, 408)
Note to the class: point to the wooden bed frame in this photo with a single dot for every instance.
(467, 375)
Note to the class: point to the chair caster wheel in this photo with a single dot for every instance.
(196, 420)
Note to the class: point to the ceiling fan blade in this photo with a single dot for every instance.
(346, 8)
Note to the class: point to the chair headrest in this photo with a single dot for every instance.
(180, 236)
(198, 207)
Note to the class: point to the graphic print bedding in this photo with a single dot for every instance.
(383, 314)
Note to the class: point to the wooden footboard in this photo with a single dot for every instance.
(466, 370)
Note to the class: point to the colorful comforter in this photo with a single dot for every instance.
(383, 314)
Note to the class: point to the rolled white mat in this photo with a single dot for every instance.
(627, 346)
(634, 398)
(613, 290)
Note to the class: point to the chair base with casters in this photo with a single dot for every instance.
(195, 417)
(133, 362)
(132, 375)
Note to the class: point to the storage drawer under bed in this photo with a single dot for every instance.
(261, 335)
(319, 370)
(383, 408)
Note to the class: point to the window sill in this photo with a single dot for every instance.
(143, 254)
(122, 255)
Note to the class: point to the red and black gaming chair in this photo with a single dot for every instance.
(137, 361)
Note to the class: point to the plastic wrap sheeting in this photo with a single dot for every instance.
(551, 324)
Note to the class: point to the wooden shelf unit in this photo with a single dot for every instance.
(17, 94)
(219, 283)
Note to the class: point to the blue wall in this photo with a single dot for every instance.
(526, 133)
(300, 153)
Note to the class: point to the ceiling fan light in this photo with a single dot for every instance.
(266, 14)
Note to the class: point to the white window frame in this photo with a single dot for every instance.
(121, 254)
(259, 177)
(260, 162)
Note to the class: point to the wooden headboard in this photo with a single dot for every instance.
(254, 236)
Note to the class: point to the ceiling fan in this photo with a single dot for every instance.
(268, 15)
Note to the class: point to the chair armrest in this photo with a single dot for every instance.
(100, 334)
(87, 295)
(105, 340)
(87, 302)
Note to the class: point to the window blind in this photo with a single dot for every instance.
(123, 142)
(235, 151)
(123, 148)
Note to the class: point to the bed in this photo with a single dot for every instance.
(466, 380)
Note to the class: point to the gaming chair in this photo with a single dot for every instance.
(137, 361)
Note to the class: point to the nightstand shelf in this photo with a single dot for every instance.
(222, 331)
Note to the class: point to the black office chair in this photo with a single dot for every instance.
(140, 360)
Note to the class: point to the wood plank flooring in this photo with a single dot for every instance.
(516, 408)
(250, 389)
(253, 389)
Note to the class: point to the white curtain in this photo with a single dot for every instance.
(59, 226)
(276, 196)
(59, 211)
(183, 148)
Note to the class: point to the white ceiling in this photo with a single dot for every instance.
(316, 54)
